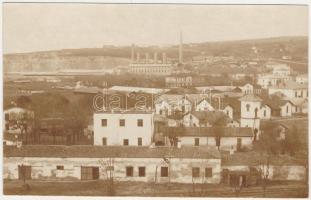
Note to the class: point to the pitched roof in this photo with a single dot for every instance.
(297, 101)
(250, 97)
(169, 98)
(208, 116)
(275, 102)
(290, 85)
(254, 159)
(209, 131)
(109, 152)
(197, 98)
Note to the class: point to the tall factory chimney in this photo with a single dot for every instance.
(180, 49)
(147, 57)
(132, 53)
(163, 57)
(138, 57)
(155, 57)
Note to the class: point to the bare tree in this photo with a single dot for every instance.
(108, 168)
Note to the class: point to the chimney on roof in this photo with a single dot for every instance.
(155, 57)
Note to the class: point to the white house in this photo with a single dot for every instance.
(250, 109)
(225, 138)
(204, 105)
(168, 104)
(269, 80)
(299, 105)
(302, 78)
(247, 88)
(127, 128)
(290, 89)
(281, 70)
(203, 118)
(143, 164)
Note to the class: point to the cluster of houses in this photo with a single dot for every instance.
(180, 140)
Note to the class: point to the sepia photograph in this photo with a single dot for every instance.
(155, 100)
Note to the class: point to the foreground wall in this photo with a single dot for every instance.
(285, 172)
(180, 169)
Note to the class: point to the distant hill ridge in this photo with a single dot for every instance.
(112, 56)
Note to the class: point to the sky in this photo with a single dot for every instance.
(32, 27)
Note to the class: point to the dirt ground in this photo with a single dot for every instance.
(99, 188)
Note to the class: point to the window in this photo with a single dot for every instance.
(164, 171)
(286, 109)
(122, 122)
(264, 113)
(208, 172)
(129, 171)
(247, 107)
(140, 122)
(125, 142)
(141, 171)
(104, 141)
(195, 172)
(60, 167)
(196, 141)
(140, 141)
(104, 122)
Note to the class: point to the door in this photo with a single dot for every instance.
(24, 172)
(89, 173)
(239, 144)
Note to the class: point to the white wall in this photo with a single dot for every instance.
(180, 168)
(115, 134)
(204, 106)
(228, 110)
(225, 142)
(284, 110)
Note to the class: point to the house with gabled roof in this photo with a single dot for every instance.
(204, 105)
(203, 118)
(225, 138)
(299, 105)
(168, 104)
(144, 164)
(279, 107)
(290, 89)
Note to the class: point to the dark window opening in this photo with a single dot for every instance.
(125, 142)
(196, 141)
(104, 122)
(140, 141)
(208, 172)
(122, 122)
(140, 123)
(104, 141)
(195, 172)
(60, 167)
(141, 171)
(164, 171)
(129, 171)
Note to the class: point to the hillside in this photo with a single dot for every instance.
(112, 56)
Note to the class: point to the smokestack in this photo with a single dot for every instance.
(155, 57)
(180, 49)
(132, 53)
(147, 57)
(138, 57)
(163, 57)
